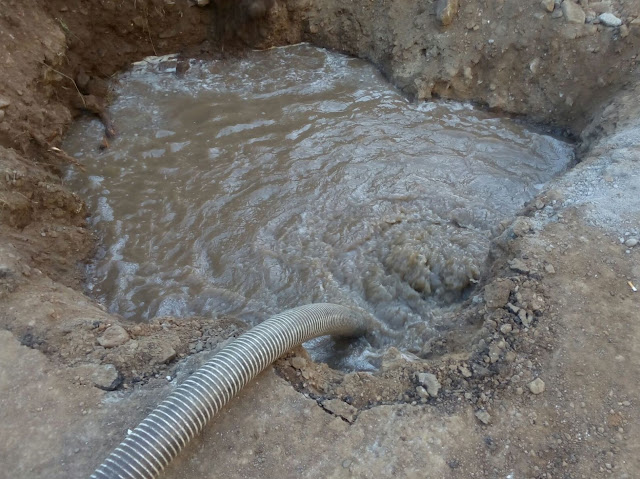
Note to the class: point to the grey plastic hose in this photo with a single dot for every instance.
(151, 446)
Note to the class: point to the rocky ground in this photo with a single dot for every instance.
(543, 382)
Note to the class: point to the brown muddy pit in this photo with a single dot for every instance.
(298, 175)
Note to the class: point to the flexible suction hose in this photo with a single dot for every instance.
(159, 438)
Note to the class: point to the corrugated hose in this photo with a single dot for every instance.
(150, 447)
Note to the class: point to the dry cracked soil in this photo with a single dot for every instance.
(542, 383)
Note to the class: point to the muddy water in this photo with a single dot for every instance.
(299, 175)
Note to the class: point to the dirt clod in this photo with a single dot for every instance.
(113, 336)
(298, 362)
(496, 293)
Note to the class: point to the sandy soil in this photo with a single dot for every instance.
(557, 307)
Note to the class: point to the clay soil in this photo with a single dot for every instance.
(556, 309)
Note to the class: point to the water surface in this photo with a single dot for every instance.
(297, 175)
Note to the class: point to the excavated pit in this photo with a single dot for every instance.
(296, 175)
(561, 314)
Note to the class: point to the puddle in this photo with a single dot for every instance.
(297, 175)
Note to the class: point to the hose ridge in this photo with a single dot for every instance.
(151, 446)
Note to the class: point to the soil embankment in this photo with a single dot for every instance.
(559, 308)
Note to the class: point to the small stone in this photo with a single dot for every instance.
(550, 269)
(483, 416)
(430, 381)
(480, 371)
(494, 352)
(340, 408)
(573, 12)
(521, 226)
(203, 3)
(103, 376)
(446, 10)
(513, 308)
(518, 266)
(548, 5)
(496, 293)
(4, 103)
(165, 354)
(631, 242)
(536, 303)
(610, 20)
(465, 372)
(533, 66)
(298, 362)
(113, 336)
(422, 392)
(393, 358)
(536, 386)
(624, 31)
(526, 318)
(1, 116)
(506, 328)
